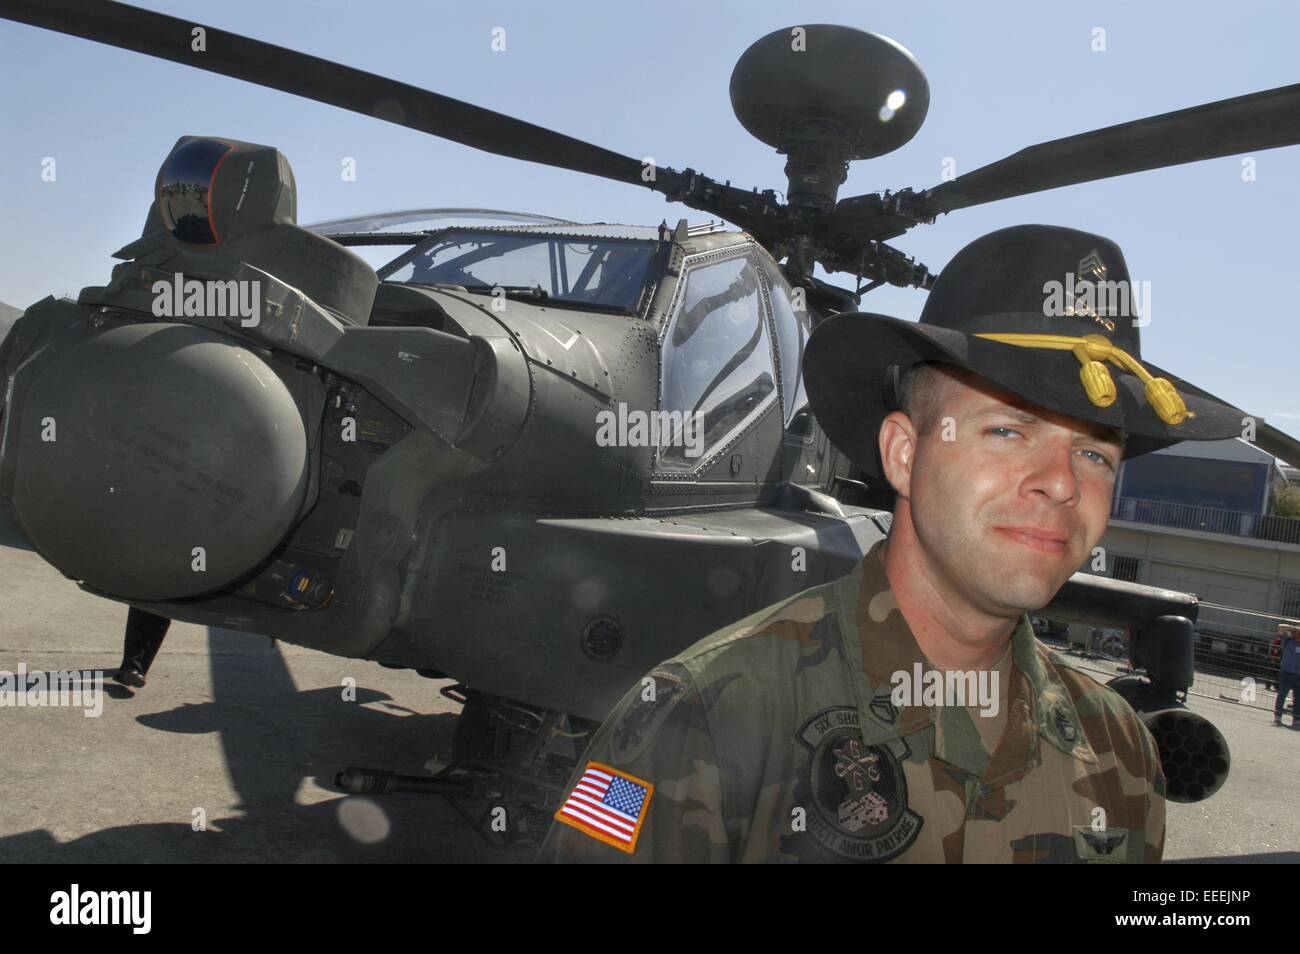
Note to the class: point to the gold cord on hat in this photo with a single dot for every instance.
(1092, 351)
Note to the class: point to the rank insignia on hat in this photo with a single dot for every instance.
(1091, 264)
(608, 805)
(1081, 307)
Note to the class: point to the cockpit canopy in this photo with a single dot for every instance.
(604, 273)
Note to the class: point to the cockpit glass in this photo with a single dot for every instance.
(604, 273)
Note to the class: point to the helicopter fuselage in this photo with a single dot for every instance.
(479, 493)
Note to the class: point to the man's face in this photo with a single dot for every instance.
(1007, 498)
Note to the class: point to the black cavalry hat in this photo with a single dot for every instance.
(1047, 313)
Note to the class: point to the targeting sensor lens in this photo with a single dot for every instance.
(183, 196)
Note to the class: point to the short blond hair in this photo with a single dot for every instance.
(922, 387)
(920, 391)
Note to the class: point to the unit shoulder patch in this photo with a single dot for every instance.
(636, 727)
(857, 793)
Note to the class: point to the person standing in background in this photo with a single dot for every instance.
(1288, 677)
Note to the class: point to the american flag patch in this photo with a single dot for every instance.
(608, 805)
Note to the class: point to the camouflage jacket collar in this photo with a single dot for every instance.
(1038, 704)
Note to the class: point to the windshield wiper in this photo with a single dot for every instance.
(535, 292)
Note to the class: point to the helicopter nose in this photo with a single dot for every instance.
(154, 461)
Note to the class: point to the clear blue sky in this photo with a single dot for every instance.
(1221, 254)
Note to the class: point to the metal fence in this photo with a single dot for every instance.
(1210, 684)
(1233, 523)
(1237, 655)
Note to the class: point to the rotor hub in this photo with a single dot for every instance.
(826, 95)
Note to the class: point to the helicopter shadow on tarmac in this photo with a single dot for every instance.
(276, 740)
(10, 537)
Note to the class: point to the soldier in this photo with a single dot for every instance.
(809, 731)
(1288, 674)
(140, 644)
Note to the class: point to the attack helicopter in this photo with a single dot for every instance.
(493, 458)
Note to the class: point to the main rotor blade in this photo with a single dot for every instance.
(1278, 443)
(1264, 120)
(1267, 437)
(169, 38)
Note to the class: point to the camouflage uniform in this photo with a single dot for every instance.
(776, 740)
